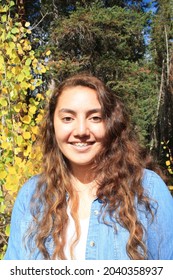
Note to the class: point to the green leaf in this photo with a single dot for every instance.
(28, 62)
(12, 3)
(15, 30)
(7, 230)
(3, 18)
(3, 102)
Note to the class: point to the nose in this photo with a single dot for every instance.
(81, 128)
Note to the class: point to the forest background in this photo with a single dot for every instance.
(128, 44)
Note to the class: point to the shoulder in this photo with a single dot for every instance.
(30, 185)
(26, 191)
(154, 186)
(150, 177)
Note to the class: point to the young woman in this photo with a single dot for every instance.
(97, 197)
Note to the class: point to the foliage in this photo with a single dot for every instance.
(109, 42)
(167, 155)
(102, 37)
(21, 111)
(161, 51)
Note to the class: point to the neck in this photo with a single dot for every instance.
(83, 174)
(85, 193)
(84, 188)
(83, 182)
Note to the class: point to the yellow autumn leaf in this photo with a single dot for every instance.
(4, 90)
(32, 87)
(9, 75)
(26, 119)
(18, 107)
(4, 138)
(3, 174)
(40, 96)
(21, 77)
(3, 102)
(19, 49)
(168, 163)
(43, 69)
(17, 150)
(26, 135)
(16, 60)
(33, 138)
(21, 29)
(48, 53)
(27, 24)
(4, 112)
(5, 130)
(1, 59)
(18, 160)
(39, 156)
(24, 107)
(32, 156)
(27, 152)
(5, 145)
(11, 179)
(3, 9)
(25, 85)
(39, 118)
(34, 129)
(12, 184)
(11, 170)
(34, 62)
(19, 140)
(28, 31)
(26, 46)
(32, 109)
(12, 45)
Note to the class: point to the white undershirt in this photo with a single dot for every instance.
(79, 250)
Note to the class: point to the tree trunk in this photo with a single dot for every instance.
(163, 131)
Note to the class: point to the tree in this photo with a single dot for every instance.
(162, 49)
(21, 109)
(109, 42)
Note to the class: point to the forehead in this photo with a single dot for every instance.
(78, 97)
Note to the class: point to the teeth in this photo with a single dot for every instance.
(81, 144)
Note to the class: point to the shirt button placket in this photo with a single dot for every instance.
(92, 243)
(93, 232)
(96, 212)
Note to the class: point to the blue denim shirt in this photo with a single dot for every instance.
(103, 241)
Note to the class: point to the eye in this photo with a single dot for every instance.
(96, 119)
(67, 119)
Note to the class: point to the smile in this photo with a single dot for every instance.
(80, 144)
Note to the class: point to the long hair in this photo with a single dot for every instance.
(120, 171)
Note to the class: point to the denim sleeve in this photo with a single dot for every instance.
(15, 248)
(160, 231)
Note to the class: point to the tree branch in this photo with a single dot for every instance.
(35, 26)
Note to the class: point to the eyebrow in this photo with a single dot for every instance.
(92, 111)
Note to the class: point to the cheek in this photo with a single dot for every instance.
(100, 132)
(61, 132)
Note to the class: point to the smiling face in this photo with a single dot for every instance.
(79, 126)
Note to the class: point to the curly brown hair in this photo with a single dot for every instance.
(121, 165)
